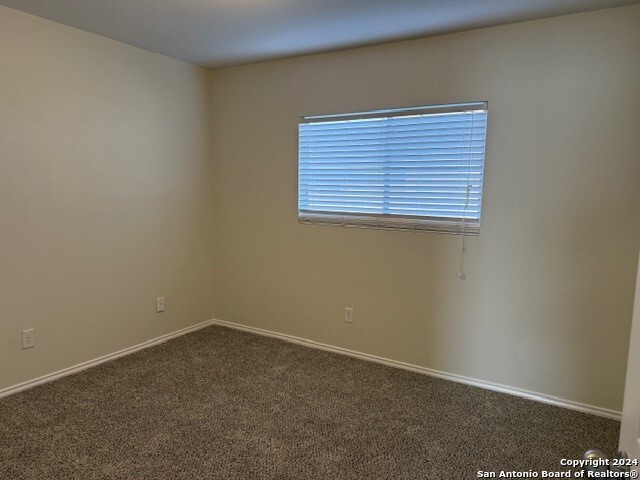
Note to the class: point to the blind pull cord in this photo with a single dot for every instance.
(463, 248)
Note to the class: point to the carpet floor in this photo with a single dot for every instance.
(224, 404)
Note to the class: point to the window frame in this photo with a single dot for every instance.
(434, 224)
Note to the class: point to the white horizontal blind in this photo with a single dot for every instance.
(417, 168)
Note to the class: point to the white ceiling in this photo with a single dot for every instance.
(215, 33)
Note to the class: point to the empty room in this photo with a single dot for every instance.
(319, 239)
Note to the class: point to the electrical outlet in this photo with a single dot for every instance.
(28, 338)
(159, 304)
(348, 314)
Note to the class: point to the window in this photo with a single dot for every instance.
(414, 168)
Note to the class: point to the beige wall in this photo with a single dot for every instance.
(111, 195)
(105, 200)
(548, 299)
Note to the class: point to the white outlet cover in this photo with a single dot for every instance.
(28, 338)
(348, 314)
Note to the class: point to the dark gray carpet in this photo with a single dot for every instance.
(223, 404)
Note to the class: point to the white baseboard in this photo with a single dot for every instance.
(560, 402)
(539, 397)
(105, 358)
